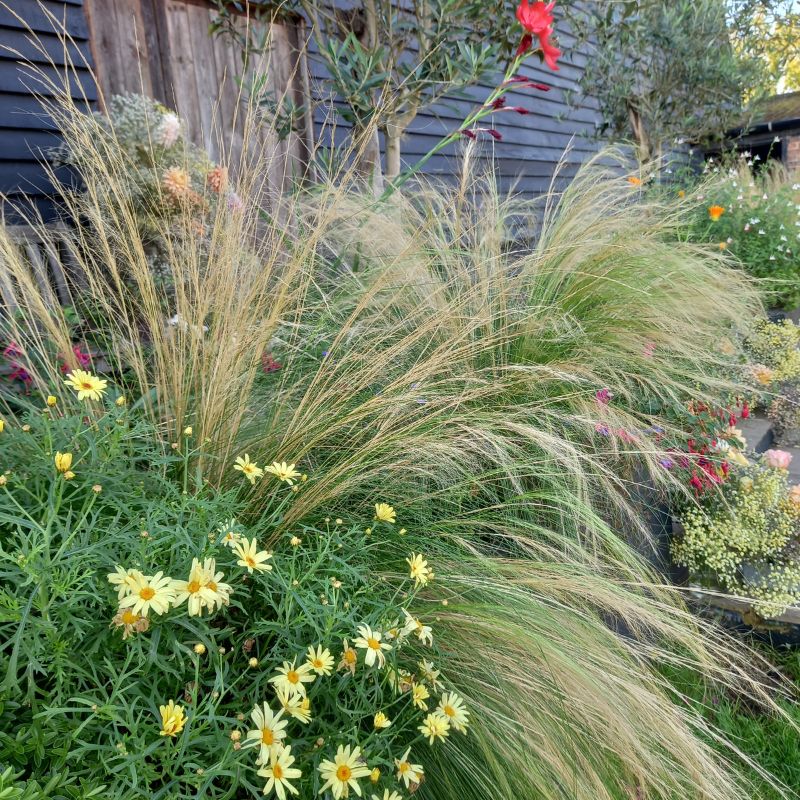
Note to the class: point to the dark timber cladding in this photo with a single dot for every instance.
(560, 125)
(25, 131)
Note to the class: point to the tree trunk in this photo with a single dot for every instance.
(643, 146)
(392, 139)
(368, 157)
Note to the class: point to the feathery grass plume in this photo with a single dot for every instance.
(459, 384)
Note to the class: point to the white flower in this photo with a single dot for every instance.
(168, 130)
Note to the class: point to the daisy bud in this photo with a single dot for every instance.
(26, 428)
(445, 602)
(375, 775)
(97, 488)
(253, 662)
(236, 735)
(295, 541)
(121, 401)
(3, 480)
(240, 717)
(222, 651)
(327, 519)
(51, 400)
(303, 478)
(187, 431)
(69, 475)
(338, 521)
(144, 534)
(199, 648)
(368, 531)
(295, 488)
(237, 746)
(174, 445)
(319, 742)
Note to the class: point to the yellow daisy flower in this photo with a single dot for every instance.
(295, 706)
(416, 626)
(384, 512)
(86, 385)
(251, 557)
(63, 461)
(429, 673)
(320, 660)
(203, 588)
(435, 726)
(173, 719)
(349, 658)
(279, 771)
(341, 774)
(124, 580)
(370, 641)
(407, 772)
(388, 796)
(283, 471)
(419, 569)
(154, 592)
(129, 622)
(248, 468)
(51, 400)
(451, 706)
(290, 679)
(380, 721)
(419, 694)
(269, 731)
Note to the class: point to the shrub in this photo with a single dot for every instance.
(190, 684)
(754, 217)
(745, 539)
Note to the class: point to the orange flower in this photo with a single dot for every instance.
(217, 179)
(715, 212)
(177, 182)
(681, 193)
(723, 245)
(634, 181)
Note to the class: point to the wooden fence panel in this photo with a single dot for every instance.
(163, 48)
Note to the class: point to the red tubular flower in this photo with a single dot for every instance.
(537, 20)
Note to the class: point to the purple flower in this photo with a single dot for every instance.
(667, 463)
(602, 429)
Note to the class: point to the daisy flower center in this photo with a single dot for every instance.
(211, 585)
(148, 593)
(317, 662)
(292, 676)
(277, 772)
(374, 644)
(350, 656)
(86, 385)
(450, 711)
(343, 773)
(128, 617)
(250, 561)
(403, 767)
(193, 586)
(267, 736)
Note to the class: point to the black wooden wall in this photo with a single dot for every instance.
(560, 127)
(26, 133)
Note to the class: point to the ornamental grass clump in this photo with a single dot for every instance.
(745, 539)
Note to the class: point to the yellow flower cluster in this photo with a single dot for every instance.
(744, 544)
(139, 594)
(280, 469)
(773, 346)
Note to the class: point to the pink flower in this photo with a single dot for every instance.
(777, 459)
(794, 495)
(603, 396)
(649, 349)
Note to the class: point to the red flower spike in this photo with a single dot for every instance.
(495, 134)
(537, 20)
(469, 134)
